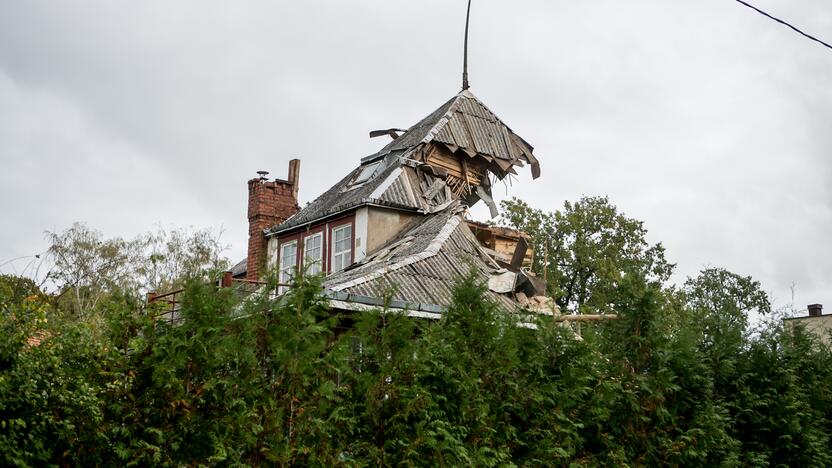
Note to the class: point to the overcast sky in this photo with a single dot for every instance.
(707, 121)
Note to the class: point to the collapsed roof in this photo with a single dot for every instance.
(417, 271)
(435, 169)
(453, 153)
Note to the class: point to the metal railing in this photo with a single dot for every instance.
(171, 302)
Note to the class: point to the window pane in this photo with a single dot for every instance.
(288, 258)
(288, 254)
(313, 254)
(342, 248)
(340, 262)
(365, 173)
(343, 238)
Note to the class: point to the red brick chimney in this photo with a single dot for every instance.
(269, 204)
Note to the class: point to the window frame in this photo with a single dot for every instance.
(332, 254)
(321, 259)
(281, 268)
(369, 170)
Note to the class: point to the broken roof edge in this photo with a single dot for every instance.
(450, 106)
(361, 307)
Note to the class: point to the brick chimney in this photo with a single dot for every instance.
(815, 310)
(269, 204)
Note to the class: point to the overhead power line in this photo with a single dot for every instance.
(808, 36)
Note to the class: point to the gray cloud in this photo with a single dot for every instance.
(704, 119)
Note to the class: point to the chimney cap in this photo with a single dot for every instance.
(263, 174)
(815, 310)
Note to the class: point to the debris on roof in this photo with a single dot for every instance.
(418, 269)
(504, 244)
(465, 124)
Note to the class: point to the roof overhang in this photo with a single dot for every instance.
(277, 230)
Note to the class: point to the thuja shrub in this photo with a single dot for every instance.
(265, 380)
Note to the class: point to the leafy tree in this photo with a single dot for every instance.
(89, 267)
(170, 257)
(15, 289)
(720, 302)
(50, 389)
(585, 249)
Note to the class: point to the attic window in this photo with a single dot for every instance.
(366, 173)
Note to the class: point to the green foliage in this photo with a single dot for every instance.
(15, 289)
(585, 249)
(679, 379)
(285, 381)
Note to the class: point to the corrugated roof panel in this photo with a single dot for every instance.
(364, 289)
(397, 193)
(470, 107)
(483, 138)
(430, 280)
(486, 112)
(458, 266)
(477, 143)
(485, 133)
(510, 150)
(464, 243)
(443, 267)
(441, 291)
(496, 140)
(459, 131)
(409, 287)
(444, 135)
(429, 268)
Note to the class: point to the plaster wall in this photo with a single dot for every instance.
(361, 233)
(383, 225)
(820, 326)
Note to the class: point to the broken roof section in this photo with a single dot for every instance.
(418, 268)
(462, 132)
(465, 124)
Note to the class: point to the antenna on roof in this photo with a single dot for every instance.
(465, 56)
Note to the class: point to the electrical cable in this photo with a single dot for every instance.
(808, 36)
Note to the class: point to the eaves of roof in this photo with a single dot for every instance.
(282, 228)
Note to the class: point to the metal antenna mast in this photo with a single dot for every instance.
(465, 56)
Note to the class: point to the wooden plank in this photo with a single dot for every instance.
(433, 190)
(585, 318)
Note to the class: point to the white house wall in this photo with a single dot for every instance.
(361, 233)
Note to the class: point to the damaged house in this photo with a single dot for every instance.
(398, 222)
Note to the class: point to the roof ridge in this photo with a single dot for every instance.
(442, 121)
